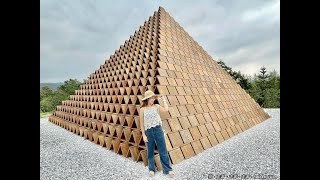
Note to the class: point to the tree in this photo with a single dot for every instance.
(263, 73)
(58, 97)
(242, 80)
(237, 76)
(64, 91)
(225, 67)
(267, 89)
(50, 99)
(272, 98)
(264, 88)
(46, 104)
(272, 91)
(274, 80)
(256, 93)
(263, 77)
(70, 86)
(45, 92)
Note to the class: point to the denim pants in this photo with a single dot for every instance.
(156, 135)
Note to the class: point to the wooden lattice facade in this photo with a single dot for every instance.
(206, 106)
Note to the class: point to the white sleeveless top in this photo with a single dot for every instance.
(151, 117)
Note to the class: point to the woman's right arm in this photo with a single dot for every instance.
(145, 138)
(141, 121)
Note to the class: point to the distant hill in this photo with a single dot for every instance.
(52, 86)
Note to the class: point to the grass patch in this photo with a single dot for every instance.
(45, 114)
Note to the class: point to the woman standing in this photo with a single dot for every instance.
(152, 132)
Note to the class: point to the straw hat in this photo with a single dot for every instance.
(148, 94)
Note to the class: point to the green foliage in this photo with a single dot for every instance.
(45, 92)
(70, 86)
(46, 104)
(267, 89)
(271, 98)
(49, 99)
(225, 67)
(256, 93)
(58, 97)
(264, 88)
(263, 74)
(241, 80)
(237, 76)
(274, 80)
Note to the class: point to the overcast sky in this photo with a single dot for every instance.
(77, 36)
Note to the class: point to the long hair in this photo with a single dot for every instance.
(144, 103)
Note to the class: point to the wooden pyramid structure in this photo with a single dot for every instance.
(206, 106)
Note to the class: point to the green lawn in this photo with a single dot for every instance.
(45, 114)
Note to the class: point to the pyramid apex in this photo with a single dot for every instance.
(161, 8)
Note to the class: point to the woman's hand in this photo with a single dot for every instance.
(162, 100)
(163, 103)
(145, 138)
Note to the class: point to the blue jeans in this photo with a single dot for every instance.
(156, 135)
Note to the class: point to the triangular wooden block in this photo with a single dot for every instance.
(114, 119)
(95, 136)
(112, 129)
(141, 90)
(105, 108)
(134, 151)
(99, 126)
(100, 106)
(107, 141)
(89, 134)
(132, 109)
(124, 149)
(108, 98)
(127, 133)
(131, 139)
(116, 91)
(133, 99)
(143, 156)
(120, 97)
(144, 74)
(114, 99)
(121, 119)
(108, 117)
(130, 82)
(137, 135)
(115, 145)
(118, 133)
(102, 116)
(128, 90)
(102, 140)
(93, 125)
(111, 108)
(136, 123)
(117, 108)
(85, 121)
(118, 83)
(134, 90)
(128, 121)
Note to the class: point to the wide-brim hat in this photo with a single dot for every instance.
(148, 94)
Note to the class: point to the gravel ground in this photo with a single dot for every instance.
(253, 154)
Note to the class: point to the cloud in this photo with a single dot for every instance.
(77, 37)
(245, 36)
